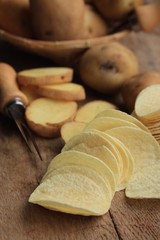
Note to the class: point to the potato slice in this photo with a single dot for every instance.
(142, 145)
(46, 116)
(89, 110)
(77, 158)
(30, 93)
(124, 116)
(66, 91)
(71, 191)
(44, 76)
(105, 123)
(70, 129)
(127, 161)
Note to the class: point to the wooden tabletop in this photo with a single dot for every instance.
(127, 219)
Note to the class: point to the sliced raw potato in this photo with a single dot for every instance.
(104, 123)
(71, 193)
(89, 110)
(122, 115)
(30, 93)
(66, 91)
(145, 183)
(126, 161)
(46, 116)
(142, 145)
(44, 76)
(148, 102)
(72, 157)
(70, 129)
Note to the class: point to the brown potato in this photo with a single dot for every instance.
(117, 9)
(105, 67)
(14, 17)
(94, 24)
(57, 19)
(132, 87)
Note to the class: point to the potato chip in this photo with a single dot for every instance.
(76, 158)
(142, 145)
(91, 140)
(127, 161)
(104, 154)
(145, 183)
(67, 192)
(148, 102)
(122, 115)
(105, 123)
(86, 171)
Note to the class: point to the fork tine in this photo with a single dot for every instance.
(26, 133)
(31, 137)
(21, 130)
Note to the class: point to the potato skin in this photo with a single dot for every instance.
(132, 87)
(104, 68)
(116, 9)
(94, 24)
(56, 20)
(14, 17)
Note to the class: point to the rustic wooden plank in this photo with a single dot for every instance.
(136, 219)
(19, 176)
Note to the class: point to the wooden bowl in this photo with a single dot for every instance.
(61, 52)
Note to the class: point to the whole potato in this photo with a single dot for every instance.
(105, 67)
(56, 20)
(14, 17)
(93, 24)
(132, 87)
(116, 9)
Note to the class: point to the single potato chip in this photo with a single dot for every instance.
(104, 154)
(72, 193)
(143, 147)
(124, 116)
(104, 123)
(86, 171)
(127, 162)
(145, 183)
(148, 102)
(77, 158)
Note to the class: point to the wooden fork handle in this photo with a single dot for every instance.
(8, 86)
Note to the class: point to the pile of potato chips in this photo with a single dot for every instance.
(115, 151)
(147, 109)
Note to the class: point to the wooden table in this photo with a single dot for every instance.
(127, 219)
